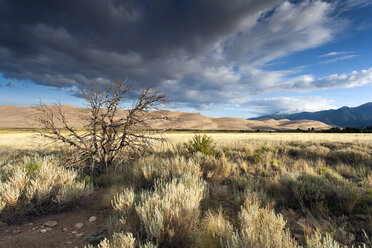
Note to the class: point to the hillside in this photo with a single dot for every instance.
(25, 117)
(359, 117)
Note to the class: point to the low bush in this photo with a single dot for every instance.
(327, 191)
(257, 227)
(217, 169)
(259, 155)
(261, 227)
(122, 240)
(203, 144)
(147, 170)
(349, 156)
(37, 186)
(215, 232)
(317, 240)
(170, 213)
(167, 215)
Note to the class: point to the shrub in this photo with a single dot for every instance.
(348, 193)
(215, 232)
(258, 227)
(321, 192)
(317, 240)
(203, 144)
(31, 168)
(151, 168)
(217, 169)
(261, 227)
(264, 154)
(349, 156)
(308, 190)
(123, 205)
(170, 213)
(37, 187)
(122, 240)
(313, 190)
(118, 240)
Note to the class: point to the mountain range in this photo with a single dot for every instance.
(359, 117)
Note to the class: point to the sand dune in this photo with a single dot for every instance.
(26, 117)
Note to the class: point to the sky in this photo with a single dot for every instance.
(219, 58)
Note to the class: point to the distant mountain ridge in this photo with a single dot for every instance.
(359, 117)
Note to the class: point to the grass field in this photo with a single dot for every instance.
(25, 139)
(239, 190)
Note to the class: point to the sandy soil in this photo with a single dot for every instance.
(27, 233)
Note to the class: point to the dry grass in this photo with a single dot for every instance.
(252, 190)
(36, 185)
(24, 139)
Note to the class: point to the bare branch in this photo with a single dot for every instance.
(109, 132)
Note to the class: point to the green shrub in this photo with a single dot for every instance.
(307, 190)
(31, 167)
(259, 153)
(313, 190)
(203, 144)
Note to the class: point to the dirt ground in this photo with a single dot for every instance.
(28, 233)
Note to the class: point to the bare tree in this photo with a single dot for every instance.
(109, 132)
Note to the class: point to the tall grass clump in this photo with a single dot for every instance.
(37, 186)
(170, 213)
(148, 169)
(122, 240)
(118, 240)
(324, 191)
(215, 232)
(350, 156)
(257, 227)
(262, 227)
(214, 168)
(165, 216)
(317, 240)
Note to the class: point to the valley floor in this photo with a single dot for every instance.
(240, 190)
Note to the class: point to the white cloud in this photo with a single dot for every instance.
(214, 77)
(332, 54)
(289, 105)
(353, 79)
(291, 28)
(338, 59)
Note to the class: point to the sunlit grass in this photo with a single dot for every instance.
(261, 189)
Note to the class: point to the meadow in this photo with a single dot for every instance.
(206, 189)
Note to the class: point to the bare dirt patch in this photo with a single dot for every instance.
(33, 233)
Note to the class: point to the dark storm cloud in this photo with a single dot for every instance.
(200, 52)
(62, 43)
